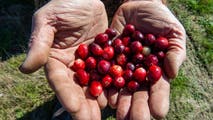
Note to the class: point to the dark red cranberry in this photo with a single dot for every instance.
(101, 38)
(149, 39)
(111, 33)
(138, 36)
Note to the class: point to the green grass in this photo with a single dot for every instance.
(198, 22)
(28, 97)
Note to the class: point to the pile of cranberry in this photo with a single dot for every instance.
(128, 61)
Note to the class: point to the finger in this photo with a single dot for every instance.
(70, 95)
(159, 98)
(95, 112)
(113, 97)
(39, 45)
(124, 104)
(140, 107)
(176, 52)
(118, 21)
(102, 100)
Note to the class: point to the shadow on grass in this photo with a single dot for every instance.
(45, 112)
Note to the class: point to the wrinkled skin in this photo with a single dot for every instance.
(57, 30)
(149, 16)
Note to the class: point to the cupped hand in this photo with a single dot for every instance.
(149, 16)
(57, 30)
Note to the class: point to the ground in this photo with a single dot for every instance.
(28, 97)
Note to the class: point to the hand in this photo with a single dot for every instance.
(57, 30)
(150, 16)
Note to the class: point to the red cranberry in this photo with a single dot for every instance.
(136, 47)
(116, 70)
(138, 58)
(151, 60)
(106, 81)
(82, 51)
(126, 41)
(103, 66)
(117, 42)
(130, 66)
(91, 63)
(127, 74)
(111, 33)
(101, 38)
(119, 82)
(128, 30)
(95, 88)
(121, 59)
(140, 74)
(133, 86)
(154, 73)
(161, 43)
(108, 53)
(78, 64)
(96, 49)
(82, 77)
(127, 51)
(149, 39)
(138, 36)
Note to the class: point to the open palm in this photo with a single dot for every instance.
(58, 28)
(150, 17)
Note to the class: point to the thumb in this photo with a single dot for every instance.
(39, 46)
(176, 52)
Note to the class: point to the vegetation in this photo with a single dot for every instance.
(28, 97)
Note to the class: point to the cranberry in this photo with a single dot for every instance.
(82, 51)
(138, 58)
(130, 66)
(95, 88)
(133, 86)
(127, 74)
(138, 36)
(119, 82)
(101, 38)
(140, 74)
(121, 59)
(108, 53)
(111, 33)
(161, 43)
(96, 49)
(136, 47)
(154, 73)
(128, 30)
(126, 41)
(116, 70)
(106, 81)
(78, 64)
(119, 48)
(149, 39)
(146, 50)
(117, 42)
(127, 51)
(103, 66)
(160, 55)
(151, 60)
(91, 63)
(82, 77)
